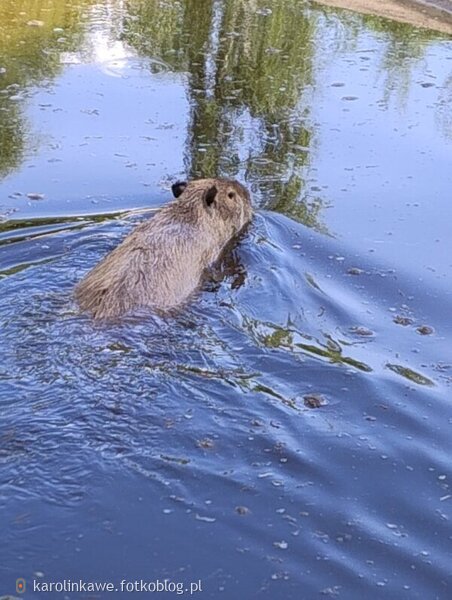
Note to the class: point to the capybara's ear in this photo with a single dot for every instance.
(178, 187)
(210, 195)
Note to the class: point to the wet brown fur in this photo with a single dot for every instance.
(160, 264)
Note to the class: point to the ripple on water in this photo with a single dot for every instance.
(209, 408)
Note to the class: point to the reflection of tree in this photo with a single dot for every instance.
(205, 133)
(261, 63)
(30, 55)
(248, 67)
(11, 136)
(444, 108)
(156, 30)
(403, 47)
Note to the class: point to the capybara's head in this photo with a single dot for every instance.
(223, 200)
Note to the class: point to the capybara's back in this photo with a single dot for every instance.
(160, 264)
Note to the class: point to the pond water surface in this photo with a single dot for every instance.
(194, 448)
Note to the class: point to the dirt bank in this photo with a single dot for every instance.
(430, 14)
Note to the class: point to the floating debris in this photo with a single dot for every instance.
(425, 330)
(410, 374)
(402, 320)
(242, 510)
(283, 545)
(355, 271)
(363, 331)
(35, 196)
(314, 400)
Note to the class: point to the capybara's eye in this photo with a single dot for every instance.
(231, 195)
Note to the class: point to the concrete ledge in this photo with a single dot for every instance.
(434, 14)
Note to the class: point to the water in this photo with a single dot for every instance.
(192, 449)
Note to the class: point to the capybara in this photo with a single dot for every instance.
(161, 263)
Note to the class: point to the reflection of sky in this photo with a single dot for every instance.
(385, 163)
(101, 45)
(104, 136)
(103, 51)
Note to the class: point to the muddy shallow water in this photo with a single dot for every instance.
(288, 436)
